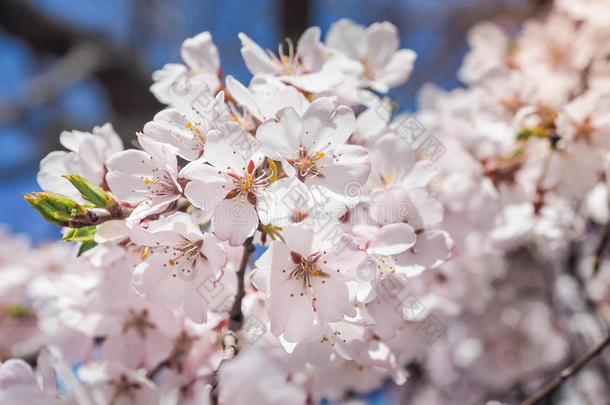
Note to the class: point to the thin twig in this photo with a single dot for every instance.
(599, 252)
(98, 216)
(568, 372)
(236, 319)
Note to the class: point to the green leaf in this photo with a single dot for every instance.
(84, 234)
(91, 192)
(86, 246)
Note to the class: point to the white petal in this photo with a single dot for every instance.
(234, 221)
(200, 53)
(257, 61)
(326, 127)
(398, 69)
(280, 138)
(381, 43)
(392, 239)
(347, 37)
(207, 187)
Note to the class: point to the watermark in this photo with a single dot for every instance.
(253, 328)
(411, 308)
(406, 126)
(220, 300)
(215, 294)
(431, 329)
(393, 290)
(431, 149)
(409, 129)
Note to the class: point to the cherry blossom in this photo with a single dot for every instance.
(374, 52)
(179, 256)
(306, 275)
(87, 156)
(228, 190)
(186, 126)
(299, 225)
(302, 68)
(202, 67)
(146, 179)
(312, 147)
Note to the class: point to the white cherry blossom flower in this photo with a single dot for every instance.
(202, 67)
(265, 96)
(375, 49)
(178, 259)
(312, 147)
(305, 281)
(236, 376)
(186, 126)
(303, 67)
(146, 179)
(87, 156)
(227, 183)
(111, 383)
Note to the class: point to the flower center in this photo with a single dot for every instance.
(184, 257)
(159, 185)
(306, 267)
(306, 164)
(286, 64)
(139, 322)
(248, 185)
(123, 387)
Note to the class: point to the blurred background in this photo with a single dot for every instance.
(74, 64)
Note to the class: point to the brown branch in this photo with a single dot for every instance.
(98, 216)
(601, 247)
(568, 372)
(236, 319)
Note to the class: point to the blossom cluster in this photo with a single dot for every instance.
(524, 191)
(300, 163)
(454, 248)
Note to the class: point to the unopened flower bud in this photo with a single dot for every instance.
(55, 208)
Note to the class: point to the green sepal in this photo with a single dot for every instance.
(86, 246)
(84, 234)
(526, 133)
(91, 192)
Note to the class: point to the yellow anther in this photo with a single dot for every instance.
(386, 268)
(144, 253)
(273, 170)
